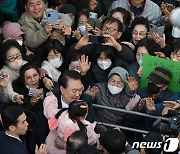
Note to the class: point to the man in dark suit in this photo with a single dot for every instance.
(15, 124)
(71, 89)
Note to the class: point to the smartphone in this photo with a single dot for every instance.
(153, 28)
(52, 16)
(35, 92)
(82, 29)
(170, 7)
(133, 101)
(97, 39)
(160, 30)
(92, 15)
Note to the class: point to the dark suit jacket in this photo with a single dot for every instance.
(10, 145)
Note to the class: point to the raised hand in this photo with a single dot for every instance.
(150, 104)
(158, 39)
(4, 82)
(67, 30)
(140, 70)
(42, 149)
(112, 42)
(171, 104)
(76, 34)
(84, 64)
(92, 91)
(18, 98)
(132, 84)
(48, 28)
(82, 42)
(58, 25)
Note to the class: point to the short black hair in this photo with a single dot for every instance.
(54, 45)
(150, 45)
(153, 137)
(140, 21)
(126, 15)
(10, 115)
(66, 75)
(114, 141)
(75, 140)
(107, 50)
(113, 20)
(176, 46)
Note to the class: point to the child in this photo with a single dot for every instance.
(69, 121)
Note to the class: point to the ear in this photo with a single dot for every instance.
(119, 34)
(12, 128)
(61, 89)
(25, 7)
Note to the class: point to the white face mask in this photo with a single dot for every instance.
(139, 61)
(114, 90)
(104, 64)
(20, 42)
(16, 65)
(56, 62)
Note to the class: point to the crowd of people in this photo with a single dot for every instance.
(59, 57)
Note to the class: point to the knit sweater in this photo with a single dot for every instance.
(151, 10)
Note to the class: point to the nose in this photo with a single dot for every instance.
(77, 93)
(26, 124)
(32, 79)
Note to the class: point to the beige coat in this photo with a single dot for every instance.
(34, 32)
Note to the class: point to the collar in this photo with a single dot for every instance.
(13, 136)
(64, 105)
(134, 9)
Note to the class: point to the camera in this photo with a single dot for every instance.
(170, 128)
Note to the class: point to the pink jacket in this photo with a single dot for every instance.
(50, 106)
(66, 124)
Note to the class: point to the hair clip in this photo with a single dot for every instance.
(83, 106)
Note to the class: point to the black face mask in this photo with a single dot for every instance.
(152, 88)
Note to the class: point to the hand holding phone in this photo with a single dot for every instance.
(35, 92)
(133, 101)
(155, 29)
(97, 39)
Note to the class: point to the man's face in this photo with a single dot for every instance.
(35, 8)
(111, 29)
(73, 91)
(22, 125)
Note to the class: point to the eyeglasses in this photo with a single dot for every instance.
(142, 34)
(110, 29)
(18, 57)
